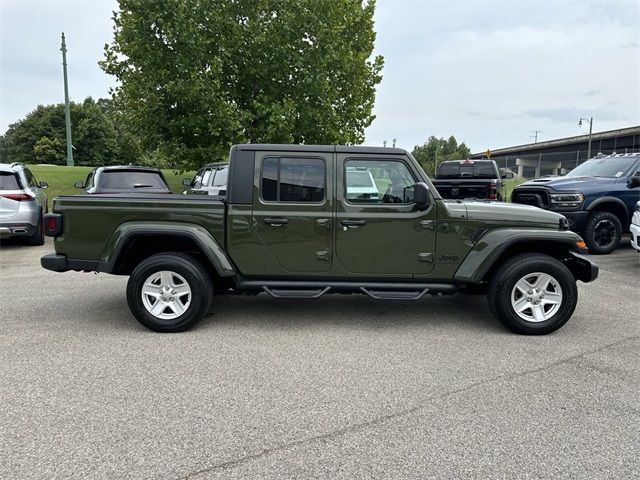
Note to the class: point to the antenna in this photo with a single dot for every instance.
(535, 135)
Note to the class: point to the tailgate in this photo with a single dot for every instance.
(461, 189)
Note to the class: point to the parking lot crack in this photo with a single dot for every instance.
(400, 413)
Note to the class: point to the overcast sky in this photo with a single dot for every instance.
(487, 72)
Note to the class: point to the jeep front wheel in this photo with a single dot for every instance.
(169, 292)
(533, 294)
(603, 232)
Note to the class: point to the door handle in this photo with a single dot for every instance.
(353, 223)
(276, 222)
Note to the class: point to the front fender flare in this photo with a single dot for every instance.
(126, 231)
(488, 249)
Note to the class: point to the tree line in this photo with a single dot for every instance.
(193, 78)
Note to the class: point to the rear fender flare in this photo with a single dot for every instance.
(127, 231)
(488, 249)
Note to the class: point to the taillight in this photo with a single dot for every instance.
(493, 190)
(52, 224)
(18, 197)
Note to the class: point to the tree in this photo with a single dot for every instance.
(40, 136)
(196, 77)
(436, 150)
(50, 150)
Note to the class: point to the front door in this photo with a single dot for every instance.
(292, 214)
(379, 230)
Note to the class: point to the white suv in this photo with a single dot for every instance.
(635, 228)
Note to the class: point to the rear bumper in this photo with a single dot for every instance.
(17, 229)
(60, 263)
(635, 236)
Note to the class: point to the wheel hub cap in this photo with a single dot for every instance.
(166, 295)
(536, 297)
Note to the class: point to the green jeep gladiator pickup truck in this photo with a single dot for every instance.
(291, 226)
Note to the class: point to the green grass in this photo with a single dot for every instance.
(61, 178)
(512, 183)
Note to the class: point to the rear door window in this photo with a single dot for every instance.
(293, 179)
(9, 181)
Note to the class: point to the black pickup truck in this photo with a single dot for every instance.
(301, 221)
(470, 179)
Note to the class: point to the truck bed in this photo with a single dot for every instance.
(92, 224)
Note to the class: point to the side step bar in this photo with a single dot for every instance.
(295, 293)
(395, 294)
(375, 290)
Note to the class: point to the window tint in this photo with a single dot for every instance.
(220, 180)
(206, 177)
(8, 181)
(378, 181)
(293, 179)
(123, 180)
(466, 170)
(31, 180)
(603, 167)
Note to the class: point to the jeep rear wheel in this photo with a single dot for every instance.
(533, 294)
(169, 292)
(603, 232)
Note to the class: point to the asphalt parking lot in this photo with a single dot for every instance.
(341, 387)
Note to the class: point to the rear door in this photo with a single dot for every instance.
(384, 233)
(292, 214)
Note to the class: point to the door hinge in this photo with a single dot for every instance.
(323, 255)
(425, 257)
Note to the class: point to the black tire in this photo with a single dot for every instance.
(37, 238)
(194, 274)
(502, 287)
(602, 232)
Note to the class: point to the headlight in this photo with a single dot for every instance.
(566, 199)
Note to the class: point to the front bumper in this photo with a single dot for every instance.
(635, 236)
(582, 268)
(577, 219)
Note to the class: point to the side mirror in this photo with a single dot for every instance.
(507, 175)
(421, 195)
(186, 182)
(44, 185)
(78, 184)
(634, 180)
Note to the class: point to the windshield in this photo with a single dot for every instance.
(603, 167)
(220, 180)
(127, 179)
(467, 170)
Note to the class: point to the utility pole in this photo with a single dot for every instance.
(67, 113)
(535, 135)
(590, 120)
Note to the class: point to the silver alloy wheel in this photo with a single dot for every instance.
(536, 297)
(166, 295)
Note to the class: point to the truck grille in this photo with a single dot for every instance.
(536, 197)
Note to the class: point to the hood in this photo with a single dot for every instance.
(511, 213)
(564, 184)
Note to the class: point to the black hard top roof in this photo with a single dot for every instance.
(319, 148)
